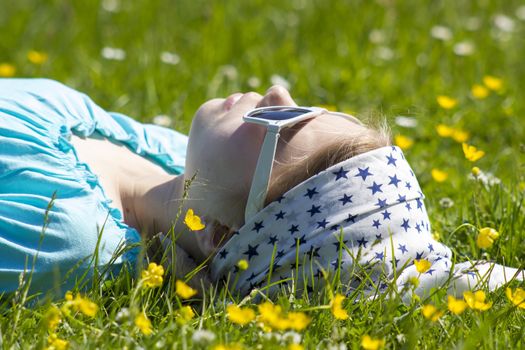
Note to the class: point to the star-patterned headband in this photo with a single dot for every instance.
(365, 212)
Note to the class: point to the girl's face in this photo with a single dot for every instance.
(223, 150)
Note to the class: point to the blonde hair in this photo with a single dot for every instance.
(344, 147)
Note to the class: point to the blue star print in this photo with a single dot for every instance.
(364, 173)
(339, 174)
(403, 248)
(386, 215)
(257, 226)
(252, 251)
(394, 180)
(279, 215)
(322, 223)
(391, 160)
(310, 192)
(293, 228)
(314, 210)
(375, 188)
(405, 224)
(346, 199)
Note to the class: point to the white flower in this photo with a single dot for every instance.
(229, 71)
(401, 338)
(203, 336)
(169, 57)
(111, 5)
(520, 12)
(162, 120)
(441, 33)
(504, 23)
(122, 315)
(376, 36)
(446, 203)
(385, 53)
(406, 122)
(254, 82)
(486, 178)
(113, 53)
(292, 337)
(276, 79)
(464, 48)
(271, 336)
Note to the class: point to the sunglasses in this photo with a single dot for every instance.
(275, 118)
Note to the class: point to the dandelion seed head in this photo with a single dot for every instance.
(441, 33)
(113, 53)
(464, 48)
(169, 58)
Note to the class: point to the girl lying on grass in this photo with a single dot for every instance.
(299, 193)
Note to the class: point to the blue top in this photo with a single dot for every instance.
(37, 118)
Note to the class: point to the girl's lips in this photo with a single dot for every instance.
(230, 101)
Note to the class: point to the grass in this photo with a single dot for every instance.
(371, 58)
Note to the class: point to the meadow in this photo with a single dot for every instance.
(442, 73)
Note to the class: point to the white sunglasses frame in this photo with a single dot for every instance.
(263, 170)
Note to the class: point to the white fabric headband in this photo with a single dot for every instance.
(375, 200)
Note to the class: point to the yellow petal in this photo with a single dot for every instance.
(403, 142)
(193, 221)
(422, 265)
(479, 91)
(493, 83)
(446, 102)
(439, 175)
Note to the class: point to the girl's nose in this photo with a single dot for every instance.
(277, 96)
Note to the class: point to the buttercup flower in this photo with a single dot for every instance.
(486, 237)
(472, 153)
(52, 318)
(55, 343)
(337, 309)
(298, 320)
(422, 265)
(439, 175)
(143, 323)
(446, 102)
(183, 290)
(476, 300)
(517, 297)
(233, 346)
(242, 264)
(185, 314)
(493, 83)
(152, 276)
(295, 347)
(444, 130)
(79, 303)
(369, 343)
(36, 57)
(193, 222)
(403, 142)
(479, 91)
(431, 312)
(240, 315)
(475, 171)
(7, 70)
(460, 135)
(456, 306)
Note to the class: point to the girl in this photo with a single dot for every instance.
(297, 192)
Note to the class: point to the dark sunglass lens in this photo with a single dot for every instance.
(280, 114)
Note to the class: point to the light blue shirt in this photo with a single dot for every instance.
(37, 118)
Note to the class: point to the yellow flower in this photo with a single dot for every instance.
(444, 130)
(456, 306)
(517, 297)
(486, 237)
(414, 281)
(7, 70)
(337, 309)
(294, 346)
(475, 171)
(479, 91)
(446, 102)
(329, 107)
(431, 312)
(298, 320)
(52, 318)
(268, 313)
(152, 276)
(369, 343)
(233, 346)
(403, 142)
(143, 323)
(439, 175)
(436, 235)
(422, 265)
(79, 303)
(193, 221)
(240, 315)
(493, 83)
(476, 300)
(69, 295)
(242, 264)
(472, 153)
(55, 343)
(185, 314)
(460, 135)
(183, 290)
(36, 57)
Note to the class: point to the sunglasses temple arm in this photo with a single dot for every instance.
(261, 177)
